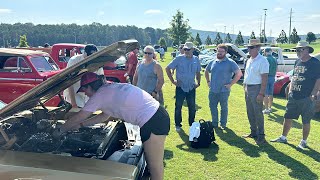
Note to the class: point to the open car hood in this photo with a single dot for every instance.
(53, 86)
(234, 50)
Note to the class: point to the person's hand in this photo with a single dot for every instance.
(260, 98)
(196, 85)
(228, 86)
(175, 82)
(208, 83)
(125, 75)
(155, 95)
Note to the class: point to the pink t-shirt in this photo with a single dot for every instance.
(124, 101)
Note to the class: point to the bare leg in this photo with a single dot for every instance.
(270, 101)
(305, 131)
(265, 102)
(286, 126)
(154, 151)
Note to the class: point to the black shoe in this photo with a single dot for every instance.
(261, 141)
(249, 136)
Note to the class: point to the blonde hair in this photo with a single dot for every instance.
(149, 47)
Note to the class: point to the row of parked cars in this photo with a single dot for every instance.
(27, 148)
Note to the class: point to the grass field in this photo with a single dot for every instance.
(234, 157)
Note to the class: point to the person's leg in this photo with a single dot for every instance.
(191, 101)
(180, 95)
(305, 131)
(213, 103)
(224, 96)
(272, 80)
(266, 102)
(286, 127)
(154, 152)
(250, 112)
(257, 107)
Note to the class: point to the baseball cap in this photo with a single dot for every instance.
(87, 78)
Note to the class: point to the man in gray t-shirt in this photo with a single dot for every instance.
(187, 69)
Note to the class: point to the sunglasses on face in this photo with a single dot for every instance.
(186, 49)
(251, 47)
(300, 50)
(149, 53)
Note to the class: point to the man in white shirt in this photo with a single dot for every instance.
(70, 95)
(255, 81)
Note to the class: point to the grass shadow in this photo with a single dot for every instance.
(298, 169)
(209, 154)
(186, 105)
(168, 154)
(279, 119)
(308, 151)
(234, 140)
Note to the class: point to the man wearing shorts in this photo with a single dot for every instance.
(302, 93)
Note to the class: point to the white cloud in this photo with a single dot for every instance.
(277, 9)
(153, 11)
(101, 13)
(5, 11)
(314, 16)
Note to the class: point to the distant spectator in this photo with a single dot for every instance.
(131, 64)
(70, 95)
(268, 98)
(181, 50)
(161, 52)
(174, 53)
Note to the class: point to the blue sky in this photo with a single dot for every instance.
(230, 16)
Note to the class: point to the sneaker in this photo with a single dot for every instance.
(302, 144)
(270, 110)
(279, 139)
(178, 128)
(266, 111)
(249, 136)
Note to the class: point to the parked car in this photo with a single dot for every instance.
(102, 151)
(21, 70)
(281, 82)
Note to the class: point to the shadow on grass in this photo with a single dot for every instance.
(186, 105)
(234, 140)
(298, 169)
(308, 151)
(209, 154)
(279, 119)
(167, 155)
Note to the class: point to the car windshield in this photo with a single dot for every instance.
(44, 63)
(2, 104)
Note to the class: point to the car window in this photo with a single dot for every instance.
(44, 63)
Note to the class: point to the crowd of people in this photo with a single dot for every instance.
(145, 105)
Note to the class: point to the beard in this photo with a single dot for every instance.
(220, 56)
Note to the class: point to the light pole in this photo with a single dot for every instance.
(224, 33)
(264, 25)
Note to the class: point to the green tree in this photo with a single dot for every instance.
(190, 39)
(239, 39)
(198, 40)
(179, 30)
(218, 39)
(252, 36)
(23, 41)
(228, 39)
(263, 38)
(208, 40)
(311, 37)
(282, 37)
(162, 42)
(294, 37)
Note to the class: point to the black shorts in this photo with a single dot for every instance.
(303, 107)
(158, 124)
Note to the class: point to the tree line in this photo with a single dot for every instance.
(95, 33)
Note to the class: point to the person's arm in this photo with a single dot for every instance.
(315, 90)
(72, 96)
(160, 77)
(198, 78)
(235, 79)
(135, 77)
(206, 75)
(264, 79)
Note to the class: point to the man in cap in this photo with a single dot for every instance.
(187, 69)
(132, 105)
(255, 81)
(268, 99)
(70, 95)
(304, 86)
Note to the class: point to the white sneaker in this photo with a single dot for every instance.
(302, 144)
(270, 110)
(265, 111)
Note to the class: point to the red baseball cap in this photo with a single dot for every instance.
(87, 78)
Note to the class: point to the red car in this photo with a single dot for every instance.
(282, 80)
(21, 70)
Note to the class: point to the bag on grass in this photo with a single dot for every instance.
(206, 136)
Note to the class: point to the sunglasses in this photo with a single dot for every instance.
(186, 49)
(300, 49)
(149, 53)
(251, 47)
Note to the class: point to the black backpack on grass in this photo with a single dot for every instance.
(206, 135)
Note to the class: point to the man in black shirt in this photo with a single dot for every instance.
(303, 90)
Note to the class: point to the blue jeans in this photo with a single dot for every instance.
(191, 101)
(214, 99)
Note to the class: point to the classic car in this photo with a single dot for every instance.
(28, 150)
(21, 70)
